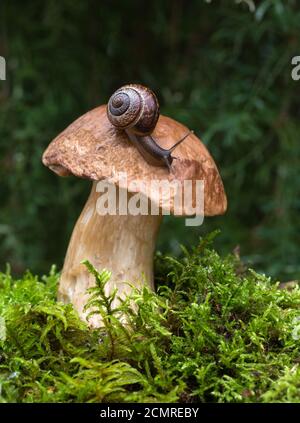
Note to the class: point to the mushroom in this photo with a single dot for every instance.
(92, 148)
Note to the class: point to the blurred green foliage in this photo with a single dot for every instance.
(222, 68)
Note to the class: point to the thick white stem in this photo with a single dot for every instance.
(122, 244)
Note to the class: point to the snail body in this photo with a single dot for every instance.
(135, 109)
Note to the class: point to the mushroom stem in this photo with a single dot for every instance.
(122, 244)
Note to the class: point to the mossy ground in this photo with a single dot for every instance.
(214, 332)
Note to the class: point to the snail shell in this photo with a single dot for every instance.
(135, 108)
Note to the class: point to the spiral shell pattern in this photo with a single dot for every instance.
(134, 107)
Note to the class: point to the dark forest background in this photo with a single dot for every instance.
(222, 68)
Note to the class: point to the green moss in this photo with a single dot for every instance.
(215, 331)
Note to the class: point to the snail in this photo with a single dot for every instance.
(135, 109)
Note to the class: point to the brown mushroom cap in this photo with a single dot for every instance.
(91, 147)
